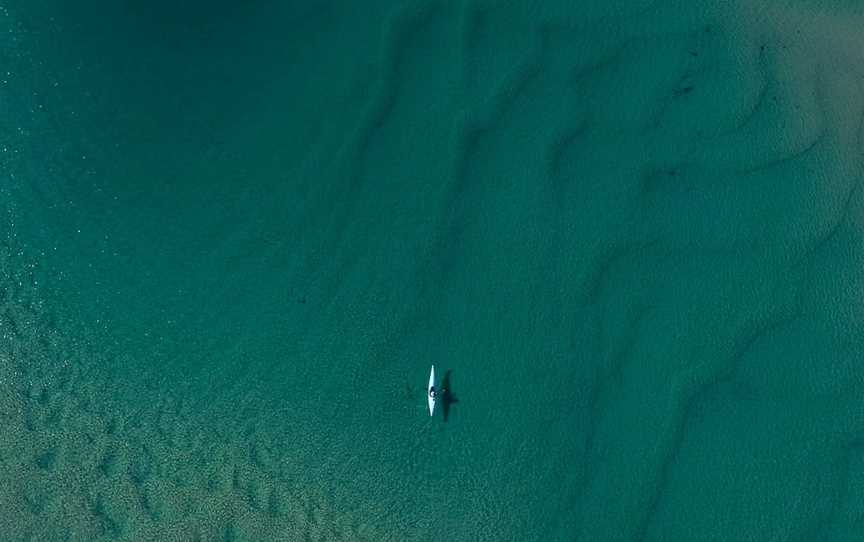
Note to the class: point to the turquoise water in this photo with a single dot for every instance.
(235, 237)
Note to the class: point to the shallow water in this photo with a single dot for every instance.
(235, 238)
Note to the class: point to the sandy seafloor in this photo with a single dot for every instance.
(235, 236)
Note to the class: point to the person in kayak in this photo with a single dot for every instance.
(432, 392)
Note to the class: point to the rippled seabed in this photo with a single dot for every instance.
(236, 237)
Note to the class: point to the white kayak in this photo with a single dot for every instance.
(430, 391)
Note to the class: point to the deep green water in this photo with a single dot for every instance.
(235, 237)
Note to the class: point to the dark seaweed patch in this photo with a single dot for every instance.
(47, 459)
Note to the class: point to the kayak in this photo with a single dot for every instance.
(430, 391)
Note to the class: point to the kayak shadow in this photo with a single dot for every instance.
(447, 397)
